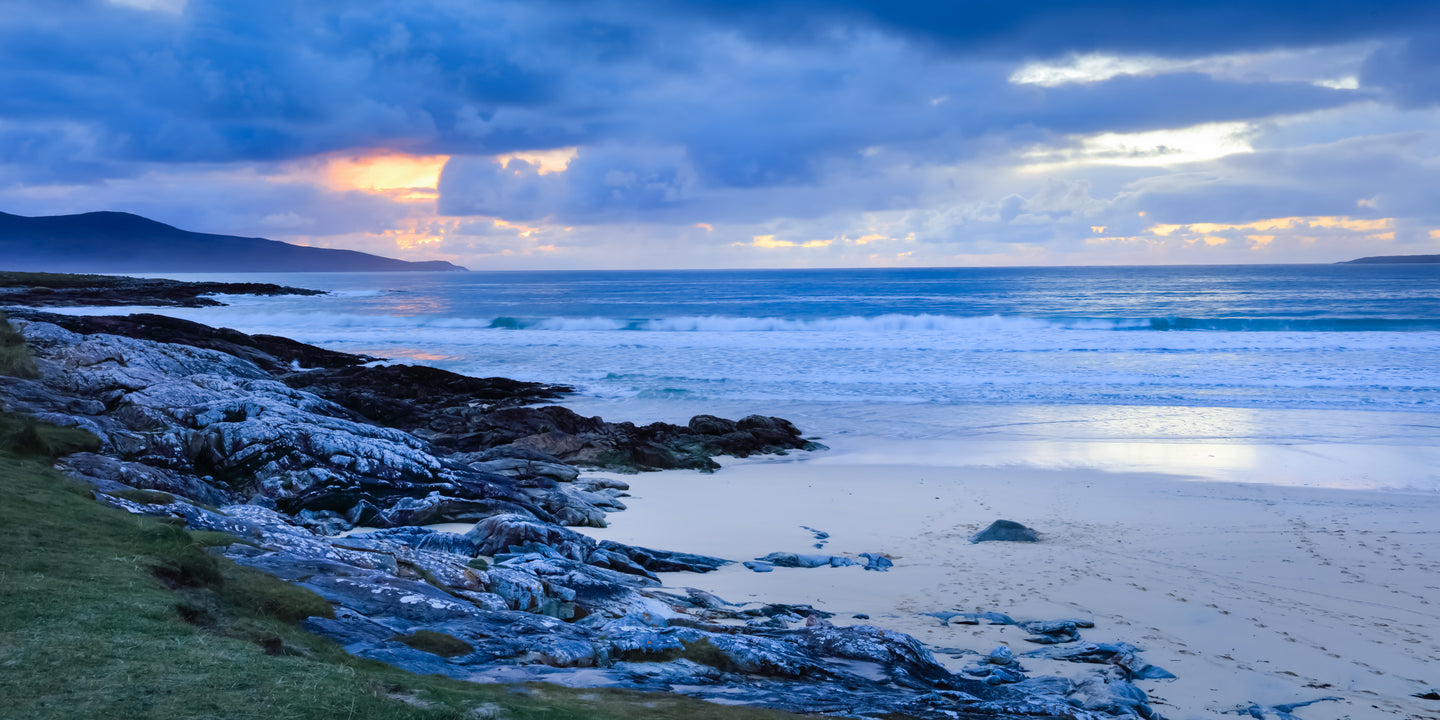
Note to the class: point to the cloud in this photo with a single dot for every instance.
(803, 120)
(604, 184)
(1409, 72)
(1186, 28)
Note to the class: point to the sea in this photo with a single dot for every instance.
(1310, 355)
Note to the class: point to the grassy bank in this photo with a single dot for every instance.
(109, 615)
(15, 359)
(104, 614)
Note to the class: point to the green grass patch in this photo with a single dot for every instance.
(23, 435)
(144, 497)
(15, 359)
(105, 614)
(215, 538)
(436, 643)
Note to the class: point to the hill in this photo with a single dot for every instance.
(123, 242)
(1394, 260)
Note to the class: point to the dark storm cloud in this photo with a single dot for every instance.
(668, 100)
(1409, 71)
(1047, 28)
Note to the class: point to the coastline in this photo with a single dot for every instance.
(1251, 594)
(1158, 540)
(218, 444)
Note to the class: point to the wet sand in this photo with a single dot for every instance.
(1249, 593)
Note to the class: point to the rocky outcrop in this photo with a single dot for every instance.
(493, 419)
(223, 445)
(59, 290)
(406, 396)
(271, 353)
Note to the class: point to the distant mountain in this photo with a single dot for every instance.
(120, 242)
(1394, 260)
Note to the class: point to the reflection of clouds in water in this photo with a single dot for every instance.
(1302, 448)
(1348, 466)
(418, 355)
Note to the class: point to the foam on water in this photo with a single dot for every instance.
(1289, 337)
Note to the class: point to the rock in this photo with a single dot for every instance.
(273, 354)
(665, 560)
(523, 468)
(100, 468)
(706, 600)
(1110, 695)
(711, 425)
(1001, 675)
(793, 560)
(497, 534)
(189, 423)
(1287, 708)
(425, 539)
(1050, 632)
(1122, 655)
(410, 396)
(488, 421)
(67, 290)
(1000, 656)
(1005, 531)
(821, 537)
(877, 562)
(964, 618)
(902, 657)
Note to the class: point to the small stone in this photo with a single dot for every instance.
(1006, 531)
(1001, 656)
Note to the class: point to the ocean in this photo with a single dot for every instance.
(1133, 353)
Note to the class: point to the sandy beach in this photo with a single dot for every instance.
(1250, 593)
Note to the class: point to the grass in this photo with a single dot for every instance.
(105, 614)
(436, 643)
(145, 497)
(15, 359)
(21, 435)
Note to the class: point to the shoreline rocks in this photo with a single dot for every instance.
(230, 444)
(36, 289)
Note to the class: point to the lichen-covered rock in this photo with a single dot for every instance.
(1110, 695)
(1051, 632)
(800, 560)
(499, 533)
(1122, 655)
(99, 469)
(907, 661)
(665, 560)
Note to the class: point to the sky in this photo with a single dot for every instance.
(544, 134)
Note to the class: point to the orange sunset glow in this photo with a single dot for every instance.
(408, 178)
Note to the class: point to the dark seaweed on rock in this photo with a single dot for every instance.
(407, 396)
(460, 414)
(65, 290)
